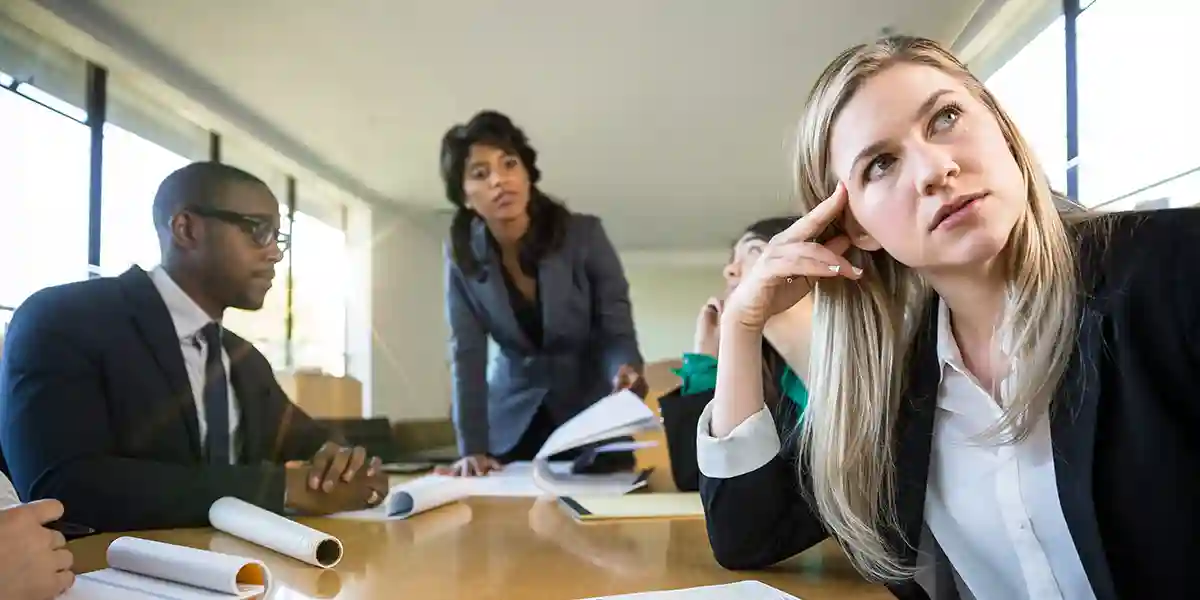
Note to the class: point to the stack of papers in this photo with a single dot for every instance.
(620, 415)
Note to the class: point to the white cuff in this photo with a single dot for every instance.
(752, 444)
(8, 495)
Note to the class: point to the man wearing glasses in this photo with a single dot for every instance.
(126, 399)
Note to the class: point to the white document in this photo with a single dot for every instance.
(265, 528)
(742, 590)
(619, 415)
(426, 493)
(143, 569)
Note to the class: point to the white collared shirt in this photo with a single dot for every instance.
(189, 319)
(8, 495)
(994, 509)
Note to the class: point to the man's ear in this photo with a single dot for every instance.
(185, 230)
(858, 236)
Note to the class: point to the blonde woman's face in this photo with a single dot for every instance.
(930, 175)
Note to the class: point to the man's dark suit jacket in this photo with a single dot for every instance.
(96, 410)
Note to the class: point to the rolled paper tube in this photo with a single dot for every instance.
(285, 536)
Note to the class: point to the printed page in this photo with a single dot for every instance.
(620, 414)
(742, 590)
(267, 529)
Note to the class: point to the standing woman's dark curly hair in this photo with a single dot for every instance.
(547, 218)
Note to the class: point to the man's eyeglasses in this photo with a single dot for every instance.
(262, 231)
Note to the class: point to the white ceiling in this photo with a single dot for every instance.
(669, 118)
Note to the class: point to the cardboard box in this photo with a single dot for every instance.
(323, 396)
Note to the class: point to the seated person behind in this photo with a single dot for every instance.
(786, 342)
(113, 400)
(35, 563)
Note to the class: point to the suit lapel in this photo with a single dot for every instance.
(490, 288)
(153, 321)
(554, 284)
(914, 437)
(1073, 427)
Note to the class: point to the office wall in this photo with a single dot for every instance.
(666, 301)
(410, 377)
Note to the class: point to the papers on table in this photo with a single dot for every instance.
(431, 491)
(146, 570)
(620, 415)
(742, 590)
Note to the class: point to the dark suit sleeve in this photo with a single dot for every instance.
(758, 518)
(294, 434)
(468, 366)
(58, 441)
(610, 303)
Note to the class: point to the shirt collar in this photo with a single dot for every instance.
(187, 316)
(950, 356)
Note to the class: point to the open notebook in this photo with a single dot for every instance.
(742, 590)
(141, 569)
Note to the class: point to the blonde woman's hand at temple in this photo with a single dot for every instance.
(785, 271)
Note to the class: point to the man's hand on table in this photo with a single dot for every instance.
(337, 479)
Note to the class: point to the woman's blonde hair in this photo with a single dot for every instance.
(863, 330)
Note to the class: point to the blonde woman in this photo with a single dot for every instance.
(1002, 401)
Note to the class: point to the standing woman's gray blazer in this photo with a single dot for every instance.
(588, 333)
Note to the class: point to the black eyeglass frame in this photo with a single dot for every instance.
(262, 230)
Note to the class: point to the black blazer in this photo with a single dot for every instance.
(1123, 423)
(97, 411)
(681, 417)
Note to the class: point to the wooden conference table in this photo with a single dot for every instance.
(513, 548)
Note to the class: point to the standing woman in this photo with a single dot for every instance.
(1003, 397)
(545, 284)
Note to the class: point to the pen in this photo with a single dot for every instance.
(71, 531)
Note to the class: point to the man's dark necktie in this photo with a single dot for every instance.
(216, 397)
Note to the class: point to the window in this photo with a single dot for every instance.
(319, 307)
(1137, 119)
(265, 328)
(1031, 87)
(44, 189)
(134, 166)
(133, 170)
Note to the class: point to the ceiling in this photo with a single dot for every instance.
(668, 118)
